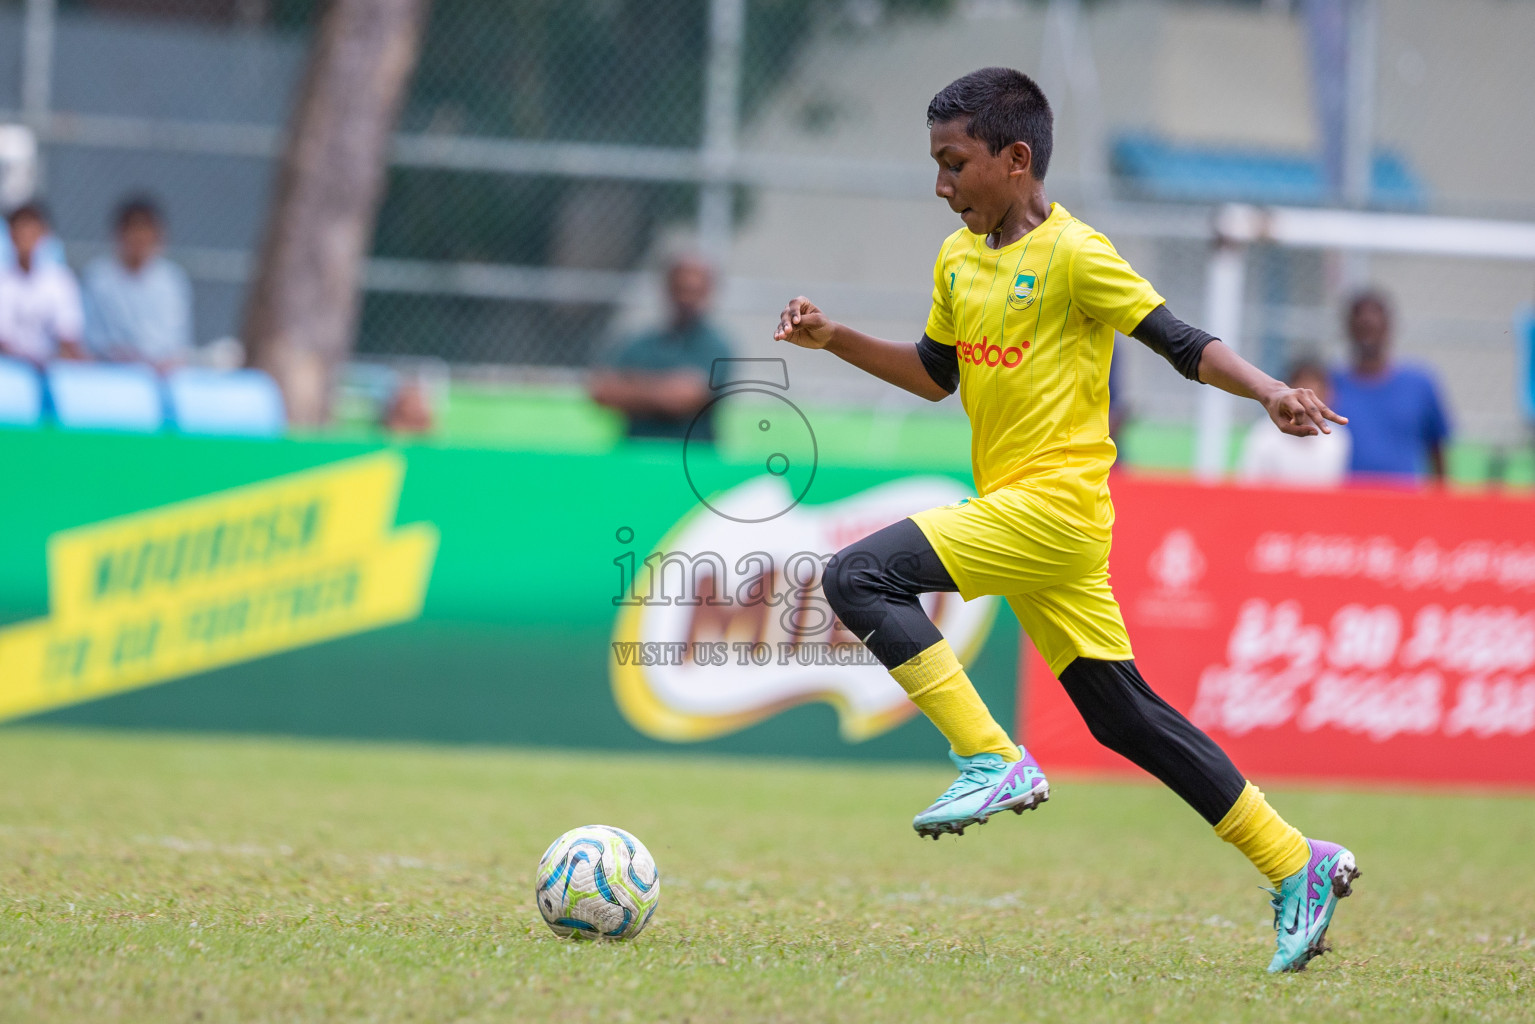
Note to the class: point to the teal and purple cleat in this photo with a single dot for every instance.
(986, 785)
(1304, 904)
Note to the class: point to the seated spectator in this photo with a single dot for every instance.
(660, 379)
(138, 304)
(1271, 456)
(1396, 419)
(40, 316)
(49, 250)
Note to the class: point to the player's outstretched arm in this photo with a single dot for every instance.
(802, 323)
(1296, 411)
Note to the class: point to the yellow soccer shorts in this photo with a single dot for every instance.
(1054, 576)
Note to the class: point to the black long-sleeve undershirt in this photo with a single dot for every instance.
(1179, 343)
(1172, 339)
(941, 363)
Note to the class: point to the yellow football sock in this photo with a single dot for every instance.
(939, 687)
(1275, 847)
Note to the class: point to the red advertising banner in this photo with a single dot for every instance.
(1355, 634)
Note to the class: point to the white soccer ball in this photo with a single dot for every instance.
(597, 881)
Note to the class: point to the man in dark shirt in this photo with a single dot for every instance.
(659, 380)
(1396, 419)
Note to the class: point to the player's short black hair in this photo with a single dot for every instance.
(137, 207)
(32, 209)
(1003, 107)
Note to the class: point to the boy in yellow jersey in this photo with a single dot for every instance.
(1026, 300)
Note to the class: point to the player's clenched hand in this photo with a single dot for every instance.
(1300, 412)
(802, 323)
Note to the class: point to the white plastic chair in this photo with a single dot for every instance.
(104, 396)
(21, 394)
(245, 403)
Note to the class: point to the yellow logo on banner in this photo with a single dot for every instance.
(225, 578)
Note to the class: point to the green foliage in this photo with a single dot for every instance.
(148, 878)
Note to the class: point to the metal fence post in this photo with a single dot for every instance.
(37, 73)
(722, 104)
(1359, 125)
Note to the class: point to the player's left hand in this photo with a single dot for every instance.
(1300, 412)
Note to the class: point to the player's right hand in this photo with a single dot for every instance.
(802, 323)
(1300, 412)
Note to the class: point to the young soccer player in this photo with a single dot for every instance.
(1026, 300)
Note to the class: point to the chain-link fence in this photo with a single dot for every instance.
(549, 151)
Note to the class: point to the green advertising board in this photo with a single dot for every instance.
(639, 598)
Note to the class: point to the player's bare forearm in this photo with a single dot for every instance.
(1297, 411)
(896, 362)
(1221, 367)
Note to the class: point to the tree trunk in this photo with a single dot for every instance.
(303, 304)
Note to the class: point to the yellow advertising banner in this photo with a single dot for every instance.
(225, 578)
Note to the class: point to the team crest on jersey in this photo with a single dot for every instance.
(1023, 290)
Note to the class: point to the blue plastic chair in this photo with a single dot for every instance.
(21, 394)
(244, 403)
(105, 396)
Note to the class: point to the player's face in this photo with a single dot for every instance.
(977, 185)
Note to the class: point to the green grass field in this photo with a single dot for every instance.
(155, 878)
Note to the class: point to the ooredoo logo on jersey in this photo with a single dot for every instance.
(984, 353)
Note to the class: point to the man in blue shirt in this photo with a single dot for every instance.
(1395, 416)
(138, 304)
(659, 380)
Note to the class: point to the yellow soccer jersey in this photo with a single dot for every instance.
(1034, 326)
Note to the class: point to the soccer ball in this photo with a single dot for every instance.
(597, 881)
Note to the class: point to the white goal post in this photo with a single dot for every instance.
(1237, 226)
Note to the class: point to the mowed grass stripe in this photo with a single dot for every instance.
(163, 878)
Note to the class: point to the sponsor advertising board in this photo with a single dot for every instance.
(1356, 634)
(599, 601)
(653, 597)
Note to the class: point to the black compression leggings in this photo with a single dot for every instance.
(1123, 714)
(873, 586)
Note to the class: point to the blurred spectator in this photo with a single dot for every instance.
(409, 410)
(1396, 419)
(1273, 457)
(138, 304)
(49, 250)
(40, 315)
(660, 379)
